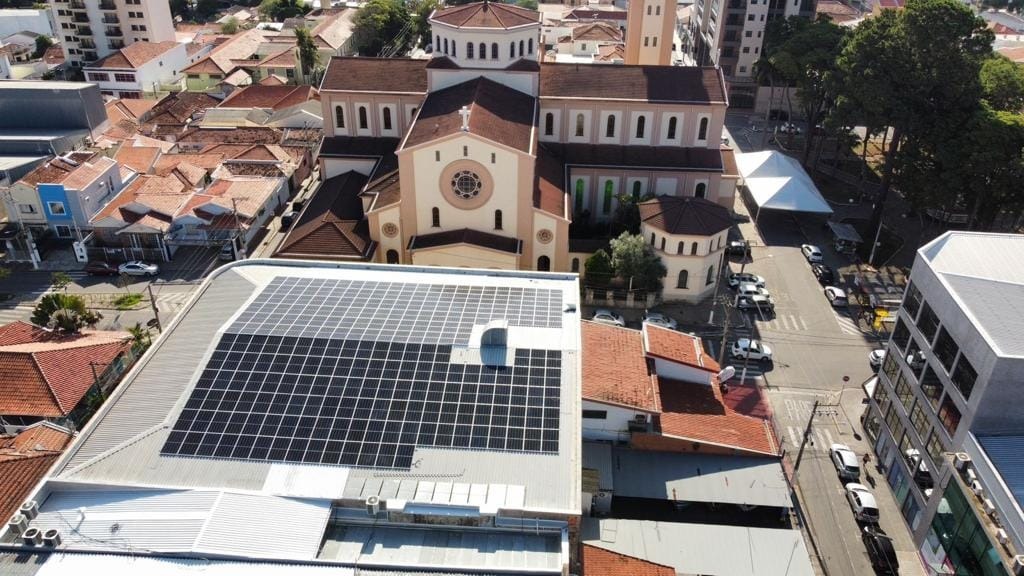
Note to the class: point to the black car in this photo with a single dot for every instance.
(824, 274)
(101, 269)
(880, 550)
(738, 248)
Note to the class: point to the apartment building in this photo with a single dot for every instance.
(92, 29)
(950, 383)
(140, 69)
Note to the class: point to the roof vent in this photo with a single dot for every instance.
(18, 524)
(961, 461)
(51, 538)
(372, 505)
(30, 509)
(32, 537)
(977, 488)
(1002, 536)
(1018, 565)
(990, 508)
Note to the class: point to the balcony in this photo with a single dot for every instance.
(110, 19)
(84, 32)
(77, 5)
(114, 33)
(86, 44)
(116, 44)
(82, 18)
(89, 56)
(107, 5)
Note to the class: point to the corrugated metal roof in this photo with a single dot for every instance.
(703, 548)
(698, 478)
(1007, 454)
(265, 527)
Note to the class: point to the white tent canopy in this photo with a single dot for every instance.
(778, 182)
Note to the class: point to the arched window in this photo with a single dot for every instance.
(579, 125)
(339, 116)
(693, 249)
(529, 46)
(454, 49)
(609, 129)
(711, 275)
(636, 190)
(609, 193)
(494, 51)
(684, 277)
(497, 219)
(445, 45)
(387, 118)
(512, 49)
(437, 42)
(654, 41)
(364, 122)
(672, 128)
(469, 50)
(483, 51)
(520, 48)
(681, 248)
(575, 264)
(579, 197)
(648, 9)
(701, 191)
(641, 126)
(435, 217)
(652, 238)
(657, 10)
(702, 131)
(662, 243)
(392, 256)
(549, 124)
(543, 264)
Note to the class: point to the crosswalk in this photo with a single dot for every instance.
(783, 322)
(819, 439)
(754, 369)
(846, 324)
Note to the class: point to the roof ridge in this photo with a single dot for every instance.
(46, 380)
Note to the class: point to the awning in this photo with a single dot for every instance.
(778, 182)
(845, 232)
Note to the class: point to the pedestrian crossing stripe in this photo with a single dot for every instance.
(847, 324)
(785, 322)
(818, 439)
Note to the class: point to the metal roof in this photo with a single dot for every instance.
(1007, 454)
(742, 480)
(703, 548)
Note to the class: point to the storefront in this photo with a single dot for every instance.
(957, 543)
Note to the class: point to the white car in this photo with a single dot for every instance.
(876, 357)
(862, 502)
(811, 252)
(845, 461)
(138, 268)
(755, 350)
(604, 316)
(763, 304)
(746, 278)
(752, 290)
(659, 319)
(836, 297)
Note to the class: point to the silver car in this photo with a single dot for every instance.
(138, 268)
(604, 316)
(659, 319)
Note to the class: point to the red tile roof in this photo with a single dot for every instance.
(676, 346)
(273, 97)
(332, 225)
(48, 375)
(486, 15)
(57, 169)
(396, 75)
(135, 54)
(615, 370)
(597, 31)
(467, 236)
(549, 183)
(19, 477)
(138, 158)
(683, 84)
(685, 215)
(39, 437)
(600, 562)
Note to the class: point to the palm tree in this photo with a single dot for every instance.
(309, 57)
(140, 336)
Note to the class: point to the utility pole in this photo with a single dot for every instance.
(239, 240)
(725, 308)
(156, 312)
(803, 440)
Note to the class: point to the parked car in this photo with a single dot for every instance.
(735, 279)
(659, 319)
(764, 304)
(790, 128)
(749, 289)
(138, 268)
(880, 550)
(101, 269)
(604, 316)
(824, 274)
(862, 502)
(746, 348)
(876, 357)
(288, 218)
(811, 252)
(738, 248)
(845, 461)
(836, 297)
(227, 252)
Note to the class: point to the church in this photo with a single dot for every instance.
(481, 156)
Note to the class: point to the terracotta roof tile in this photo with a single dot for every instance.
(331, 225)
(696, 412)
(387, 189)
(138, 158)
(497, 113)
(135, 55)
(651, 83)
(283, 59)
(598, 32)
(676, 346)
(549, 183)
(615, 370)
(486, 15)
(600, 562)
(402, 75)
(467, 236)
(56, 170)
(685, 215)
(39, 437)
(273, 97)
(246, 135)
(585, 14)
(729, 167)
(20, 476)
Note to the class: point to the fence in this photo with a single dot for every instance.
(125, 254)
(619, 297)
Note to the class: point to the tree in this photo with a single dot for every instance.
(380, 25)
(598, 267)
(421, 12)
(309, 57)
(204, 9)
(279, 10)
(63, 313)
(1002, 83)
(528, 4)
(60, 281)
(230, 26)
(141, 338)
(42, 43)
(179, 8)
(634, 260)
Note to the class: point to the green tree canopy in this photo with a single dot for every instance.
(598, 267)
(635, 261)
(421, 12)
(1002, 83)
(529, 4)
(382, 25)
(279, 10)
(309, 57)
(42, 43)
(230, 26)
(65, 313)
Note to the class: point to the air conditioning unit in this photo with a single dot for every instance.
(51, 538)
(990, 508)
(32, 537)
(961, 460)
(1002, 536)
(978, 489)
(372, 505)
(30, 509)
(640, 419)
(1018, 565)
(971, 476)
(18, 524)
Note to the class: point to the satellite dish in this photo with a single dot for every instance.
(726, 374)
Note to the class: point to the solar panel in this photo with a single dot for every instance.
(304, 375)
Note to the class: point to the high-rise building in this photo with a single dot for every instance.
(92, 29)
(650, 27)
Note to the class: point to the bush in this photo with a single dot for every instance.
(127, 301)
(64, 313)
(598, 267)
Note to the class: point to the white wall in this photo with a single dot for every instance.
(682, 372)
(460, 38)
(335, 166)
(16, 20)
(614, 427)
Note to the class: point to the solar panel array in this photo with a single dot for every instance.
(359, 374)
